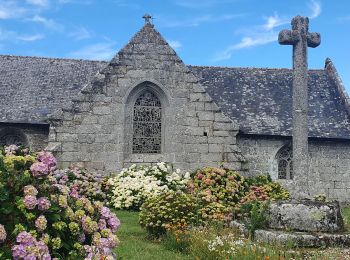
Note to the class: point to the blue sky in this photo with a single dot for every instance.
(238, 33)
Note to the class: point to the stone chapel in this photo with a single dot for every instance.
(146, 106)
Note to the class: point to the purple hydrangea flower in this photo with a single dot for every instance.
(48, 159)
(102, 224)
(24, 249)
(44, 203)
(30, 202)
(39, 169)
(105, 212)
(113, 222)
(25, 238)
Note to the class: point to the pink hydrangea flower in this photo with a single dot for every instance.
(30, 202)
(11, 149)
(44, 203)
(24, 249)
(48, 159)
(113, 222)
(39, 169)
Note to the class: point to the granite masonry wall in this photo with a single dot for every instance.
(34, 136)
(95, 131)
(329, 163)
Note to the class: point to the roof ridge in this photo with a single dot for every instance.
(49, 58)
(257, 68)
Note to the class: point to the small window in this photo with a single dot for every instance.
(11, 136)
(285, 163)
(147, 124)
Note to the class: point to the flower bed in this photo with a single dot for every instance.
(42, 219)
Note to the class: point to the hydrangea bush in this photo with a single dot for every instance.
(219, 194)
(82, 182)
(43, 219)
(216, 188)
(161, 213)
(132, 186)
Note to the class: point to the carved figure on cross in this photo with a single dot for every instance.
(300, 38)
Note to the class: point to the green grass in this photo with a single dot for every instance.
(135, 244)
(346, 216)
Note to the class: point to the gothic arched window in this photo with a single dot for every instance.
(285, 162)
(147, 124)
(12, 136)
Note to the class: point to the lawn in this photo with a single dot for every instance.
(134, 243)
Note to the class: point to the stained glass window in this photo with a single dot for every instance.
(285, 163)
(147, 124)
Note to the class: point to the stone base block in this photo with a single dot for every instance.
(305, 215)
(302, 239)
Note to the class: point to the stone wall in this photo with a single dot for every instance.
(35, 136)
(96, 130)
(329, 163)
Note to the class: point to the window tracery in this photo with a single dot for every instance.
(147, 124)
(285, 163)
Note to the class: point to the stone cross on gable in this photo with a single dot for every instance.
(300, 38)
(147, 18)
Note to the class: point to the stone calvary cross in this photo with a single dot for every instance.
(300, 38)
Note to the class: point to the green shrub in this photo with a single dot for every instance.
(255, 217)
(158, 214)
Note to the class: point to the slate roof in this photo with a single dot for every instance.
(33, 87)
(260, 100)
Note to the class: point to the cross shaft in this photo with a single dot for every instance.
(300, 38)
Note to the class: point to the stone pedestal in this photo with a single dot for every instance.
(305, 215)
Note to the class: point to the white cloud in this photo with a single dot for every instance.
(41, 3)
(255, 36)
(31, 38)
(48, 23)
(315, 8)
(176, 45)
(98, 51)
(265, 33)
(274, 21)
(80, 33)
(246, 42)
(10, 10)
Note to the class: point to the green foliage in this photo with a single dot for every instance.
(259, 180)
(255, 217)
(166, 211)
